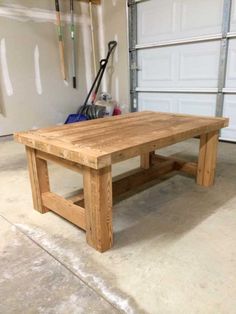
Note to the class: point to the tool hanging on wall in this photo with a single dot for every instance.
(60, 39)
(111, 47)
(72, 32)
(92, 37)
(92, 111)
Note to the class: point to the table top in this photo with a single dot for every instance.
(101, 142)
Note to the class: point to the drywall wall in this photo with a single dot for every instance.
(32, 92)
(113, 14)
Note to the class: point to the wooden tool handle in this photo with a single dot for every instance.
(62, 60)
(61, 45)
(92, 37)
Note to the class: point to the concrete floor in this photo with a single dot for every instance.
(174, 251)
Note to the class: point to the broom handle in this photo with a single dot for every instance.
(73, 43)
(61, 45)
(102, 64)
(111, 47)
(98, 78)
(92, 37)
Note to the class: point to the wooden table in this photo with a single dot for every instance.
(91, 148)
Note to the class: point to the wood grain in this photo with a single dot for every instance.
(60, 161)
(65, 208)
(146, 160)
(98, 204)
(180, 165)
(39, 179)
(134, 179)
(207, 158)
(138, 177)
(101, 142)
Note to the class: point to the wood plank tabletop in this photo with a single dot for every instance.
(98, 143)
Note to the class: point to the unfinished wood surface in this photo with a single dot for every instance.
(78, 197)
(146, 160)
(207, 159)
(98, 143)
(91, 147)
(133, 179)
(60, 161)
(39, 179)
(65, 208)
(138, 177)
(98, 204)
(180, 165)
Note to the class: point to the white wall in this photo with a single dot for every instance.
(114, 17)
(26, 30)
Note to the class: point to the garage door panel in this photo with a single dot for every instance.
(173, 19)
(194, 65)
(155, 20)
(199, 65)
(173, 78)
(156, 102)
(197, 105)
(179, 103)
(233, 17)
(195, 16)
(156, 66)
(230, 111)
(231, 65)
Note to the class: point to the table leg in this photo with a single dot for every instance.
(98, 207)
(207, 158)
(146, 160)
(38, 173)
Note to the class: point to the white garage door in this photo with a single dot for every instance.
(183, 57)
